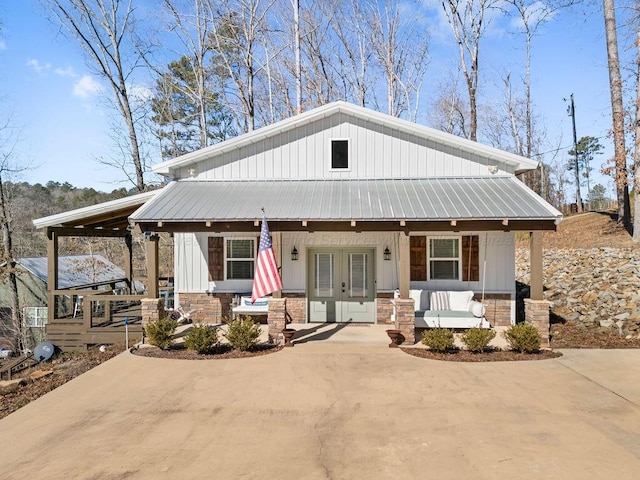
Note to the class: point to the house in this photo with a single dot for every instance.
(360, 205)
(75, 272)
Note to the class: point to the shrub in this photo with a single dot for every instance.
(438, 339)
(477, 339)
(160, 332)
(523, 338)
(202, 338)
(243, 333)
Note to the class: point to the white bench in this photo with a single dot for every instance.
(245, 307)
(462, 312)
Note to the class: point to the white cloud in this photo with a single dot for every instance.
(66, 72)
(141, 93)
(38, 67)
(86, 87)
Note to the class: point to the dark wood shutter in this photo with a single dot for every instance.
(216, 258)
(418, 256)
(470, 258)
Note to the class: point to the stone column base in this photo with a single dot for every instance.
(405, 319)
(276, 318)
(536, 312)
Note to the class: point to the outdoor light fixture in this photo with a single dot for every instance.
(387, 253)
(294, 253)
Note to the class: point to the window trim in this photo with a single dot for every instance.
(337, 169)
(446, 259)
(227, 259)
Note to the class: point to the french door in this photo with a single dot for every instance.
(341, 285)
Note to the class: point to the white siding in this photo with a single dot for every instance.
(497, 260)
(497, 264)
(375, 152)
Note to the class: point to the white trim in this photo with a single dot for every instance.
(331, 167)
(100, 208)
(490, 153)
(444, 259)
(227, 259)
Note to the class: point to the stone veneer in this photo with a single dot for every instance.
(296, 307)
(385, 308)
(536, 312)
(498, 307)
(152, 310)
(208, 308)
(276, 318)
(405, 319)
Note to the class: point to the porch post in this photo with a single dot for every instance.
(152, 266)
(52, 273)
(404, 265)
(535, 261)
(536, 308)
(128, 261)
(276, 244)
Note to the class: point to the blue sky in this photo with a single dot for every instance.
(64, 124)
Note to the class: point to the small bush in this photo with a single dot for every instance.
(243, 333)
(523, 338)
(202, 338)
(438, 339)
(477, 339)
(160, 332)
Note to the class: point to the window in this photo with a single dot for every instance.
(34, 317)
(339, 154)
(444, 259)
(240, 258)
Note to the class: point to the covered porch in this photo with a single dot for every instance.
(309, 217)
(78, 318)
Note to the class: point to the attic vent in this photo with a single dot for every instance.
(339, 153)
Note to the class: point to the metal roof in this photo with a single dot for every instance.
(425, 199)
(86, 214)
(76, 271)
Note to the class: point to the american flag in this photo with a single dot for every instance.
(267, 277)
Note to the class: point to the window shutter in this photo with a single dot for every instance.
(216, 258)
(471, 258)
(418, 257)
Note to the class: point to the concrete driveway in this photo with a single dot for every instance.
(334, 410)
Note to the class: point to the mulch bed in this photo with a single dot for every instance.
(221, 352)
(495, 355)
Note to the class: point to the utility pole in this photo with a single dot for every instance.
(571, 111)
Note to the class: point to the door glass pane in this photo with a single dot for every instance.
(358, 274)
(323, 278)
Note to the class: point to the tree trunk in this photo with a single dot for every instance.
(615, 83)
(15, 327)
(636, 153)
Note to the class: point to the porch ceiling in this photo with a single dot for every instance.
(496, 202)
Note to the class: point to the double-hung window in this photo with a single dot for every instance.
(240, 254)
(444, 258)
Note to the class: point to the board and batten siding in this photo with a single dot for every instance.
(496, 259)
(375, 151)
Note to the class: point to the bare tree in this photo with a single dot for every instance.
(636, 153)
(104, 28)
(449, 110)
(198, 46)
(615, 84)
(401, 49)
(7, 168)
(468, 20)
(236, 30)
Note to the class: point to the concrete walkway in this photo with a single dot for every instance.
(334, 410)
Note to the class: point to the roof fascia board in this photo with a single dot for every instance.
(521, 163)
(87, 212)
